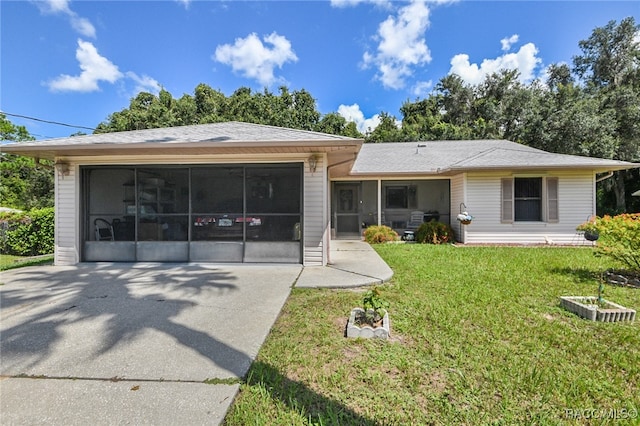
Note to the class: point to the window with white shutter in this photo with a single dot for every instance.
(507, 200)
(552, 200)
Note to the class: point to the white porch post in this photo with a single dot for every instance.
(379, 202)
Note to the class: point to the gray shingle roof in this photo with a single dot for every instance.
(216, 138)
(231, 131)
(433, 157)
(439, 157)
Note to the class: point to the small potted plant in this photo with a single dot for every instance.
(372, 319)
(464, 218)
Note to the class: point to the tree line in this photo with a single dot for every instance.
(589, 108)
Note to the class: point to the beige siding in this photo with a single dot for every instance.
(457, 197)
(576, 202)
(67, 218)
(315, 216)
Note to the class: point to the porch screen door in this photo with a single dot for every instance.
(347, 202)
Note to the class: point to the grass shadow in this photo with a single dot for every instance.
(309, 404)
(580, 275)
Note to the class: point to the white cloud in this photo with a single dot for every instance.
(401, 45)
(525, 61)
(353, 113)
(144, 83)
(349, 3)
(83, 26)
(346, 3)
(94, 68)
(508, 42)
(185, 3)
(422, 88)
(78, 23)
(53, 6)
(256, 60)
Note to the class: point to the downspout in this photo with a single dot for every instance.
(341, 163)
(605, 177)
(598, 180)
(38, 164)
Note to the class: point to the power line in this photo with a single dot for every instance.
(46, 121)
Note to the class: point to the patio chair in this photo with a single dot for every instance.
(104, 230)
(415, 220)
(383, 220)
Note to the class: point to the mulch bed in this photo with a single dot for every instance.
(622, 278)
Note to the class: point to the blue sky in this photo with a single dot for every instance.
(76, 62)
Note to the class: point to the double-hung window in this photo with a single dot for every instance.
(529, 199)
(400, 197)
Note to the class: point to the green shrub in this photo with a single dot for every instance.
(27, 233)
(379, 234)
(618, 238)
(434, 233)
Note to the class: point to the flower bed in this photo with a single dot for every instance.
(367, 331)
(622, 278)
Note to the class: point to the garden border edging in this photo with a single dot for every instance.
(586, 307)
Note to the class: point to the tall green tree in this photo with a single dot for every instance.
(610, 67)
(427, 119)
(25, 183)
(295, 109)
(387, 130)
(569, 120)
(335, 124)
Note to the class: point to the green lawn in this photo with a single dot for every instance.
(478, 337)
(9, 262)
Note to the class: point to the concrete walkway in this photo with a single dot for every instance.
(146, 343)
(351, 264)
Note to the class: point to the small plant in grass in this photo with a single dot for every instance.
(434, 233)
(601, 293)
(374, 306)
(377, 234)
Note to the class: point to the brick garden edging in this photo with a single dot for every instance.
(586, 307)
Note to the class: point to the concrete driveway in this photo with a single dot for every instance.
(132, 343)
(157, 344)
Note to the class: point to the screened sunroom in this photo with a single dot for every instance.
(400, 204)
(209, 213)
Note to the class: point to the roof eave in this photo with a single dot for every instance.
(598, 168)
(50, 152)
(455, 170)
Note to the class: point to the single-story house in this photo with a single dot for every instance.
(240, 192)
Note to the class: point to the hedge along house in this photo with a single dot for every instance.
(515, 193)
(223, 192)
(239, 192)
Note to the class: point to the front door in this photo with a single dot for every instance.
(347, 210)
